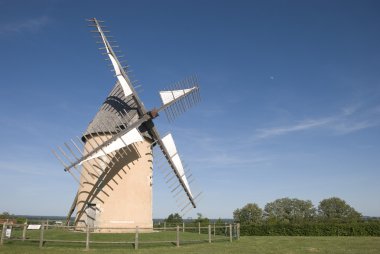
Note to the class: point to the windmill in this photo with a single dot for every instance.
(112, 160)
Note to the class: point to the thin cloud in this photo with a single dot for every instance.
(30, 25)
(305, 125)
(229, 160)
(344, 128)
(351, 119)
(349, 110)
(228, 150)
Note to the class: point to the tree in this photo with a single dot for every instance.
(289, 210)
(219, 221)
(174, 219)
(220, 227)
(5, 215)
(202, 220)
(337, 209)
(250, 213)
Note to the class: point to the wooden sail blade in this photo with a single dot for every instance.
(123, 79)
(169, 150)
(120, 73)
(126, 139)
(180, 97)
(100, 147)
(172, 150)
(174, 95)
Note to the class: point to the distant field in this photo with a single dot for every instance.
(248, 244)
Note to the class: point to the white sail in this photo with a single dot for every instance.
(123, 82)
(128, 138)
(169, 96)
(172, 150)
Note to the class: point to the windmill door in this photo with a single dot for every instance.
(91, 213)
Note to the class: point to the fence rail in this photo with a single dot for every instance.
(134, 238)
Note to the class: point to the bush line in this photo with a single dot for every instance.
(370, 228)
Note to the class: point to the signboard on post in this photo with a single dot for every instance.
(31, 226)
(8, 233)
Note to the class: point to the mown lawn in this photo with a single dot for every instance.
(247, 244)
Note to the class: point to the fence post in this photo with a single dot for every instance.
(177, 236)
(230, 233)
(164, 226)
(42, 235)
(199, 228)
(137, 238)
(87, 237)
(214, 229)
(183, 226)
(238, 230)
(209, 233)
(24, 231)
(3, 233)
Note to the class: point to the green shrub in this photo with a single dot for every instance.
(369, 228)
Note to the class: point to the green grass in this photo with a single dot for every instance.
(248, 244)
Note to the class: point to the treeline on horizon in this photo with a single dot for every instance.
(284, 216)
(295, 217)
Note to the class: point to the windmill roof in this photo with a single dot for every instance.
(115, 109)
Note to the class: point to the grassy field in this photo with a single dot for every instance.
(248, 244)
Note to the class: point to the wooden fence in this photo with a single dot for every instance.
(89, 237)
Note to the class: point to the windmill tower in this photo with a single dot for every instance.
(112, 160)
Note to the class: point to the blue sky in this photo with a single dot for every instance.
(290, 97)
